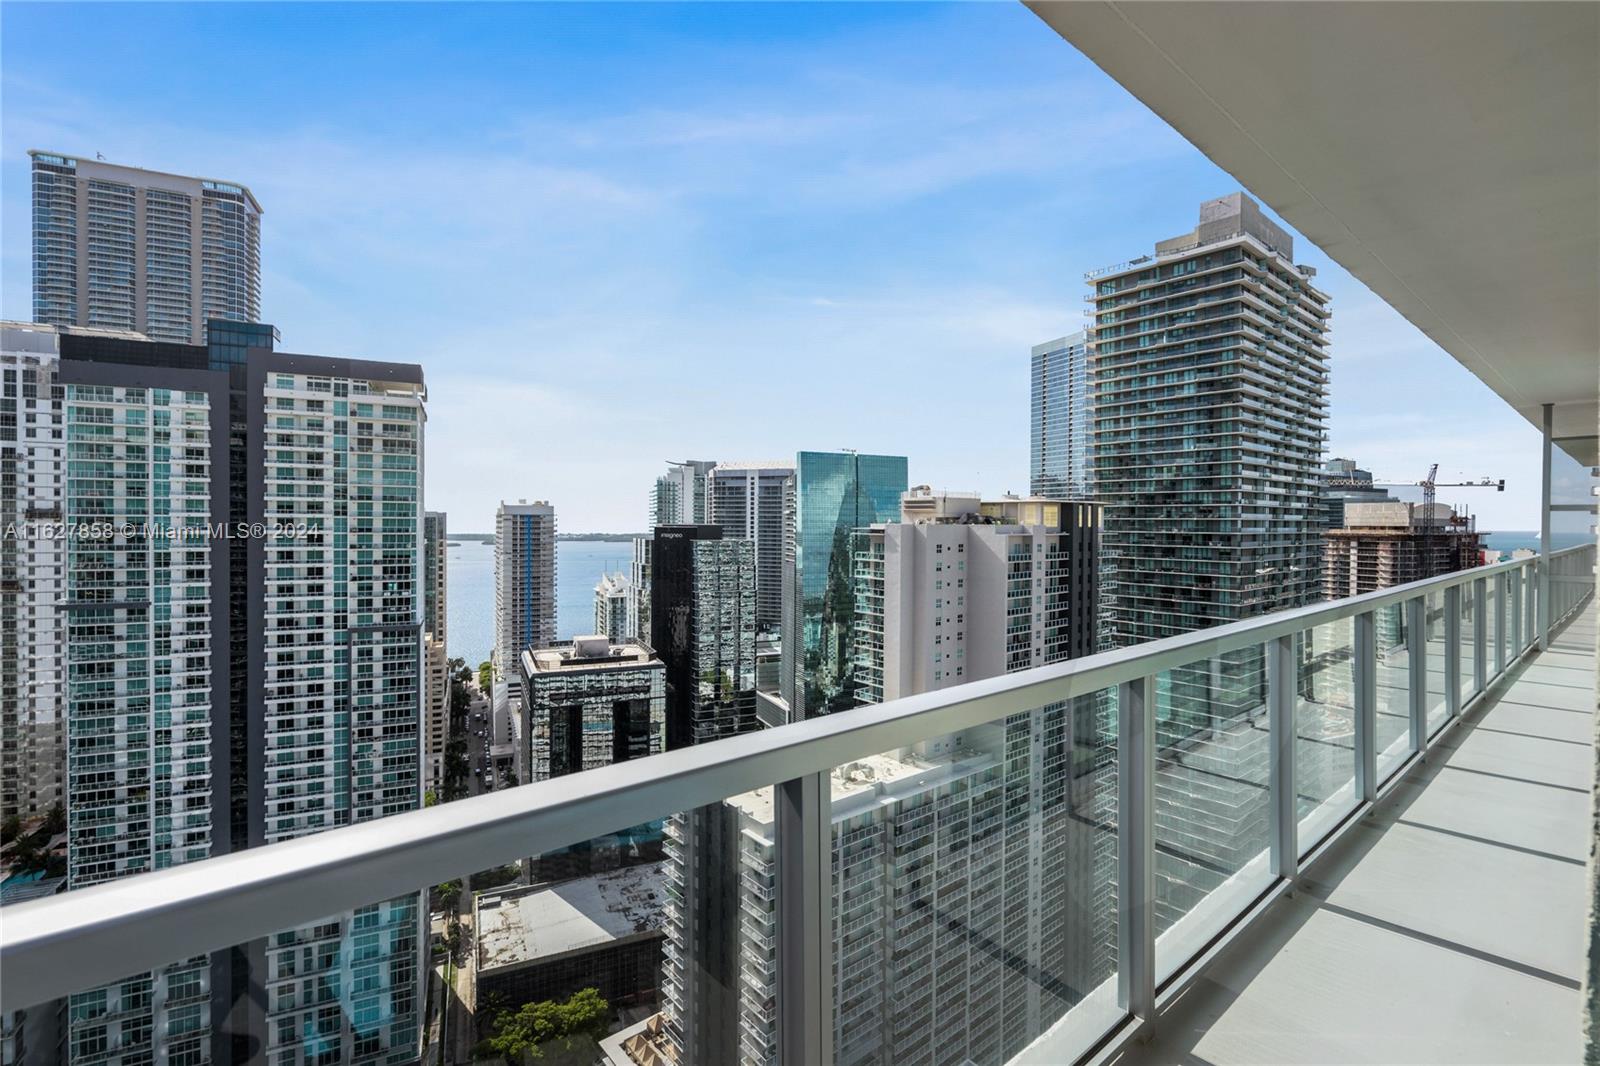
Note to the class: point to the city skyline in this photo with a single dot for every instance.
(639, 249)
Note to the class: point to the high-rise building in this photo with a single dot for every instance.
(1381, 545)
(614, 607)
(966, 868)
(680, 494)
(435, 575)
(1060, 426)
(703, 626)
(1209, 370)
(316, 621)
(435, 652)
(962, 589)
(1344, 483)
(1210, 375)
(32, 574)
(588, 703)
(524, 584)
(964, 922)
(118, 247)
(753, 502)
(639, 578)
(703, 614)
(835, 493)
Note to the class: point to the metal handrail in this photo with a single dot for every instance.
(54, 946)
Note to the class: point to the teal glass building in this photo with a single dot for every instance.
(834, 494)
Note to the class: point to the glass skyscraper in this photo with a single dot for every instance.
(703, 625)
(1060, 425)
(314, 617)
(835, 493)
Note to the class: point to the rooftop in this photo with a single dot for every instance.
(532, 923)
(585, 653)
(104, 169)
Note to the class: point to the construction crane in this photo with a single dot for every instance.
(1429, 487)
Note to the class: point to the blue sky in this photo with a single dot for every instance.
(615, 235)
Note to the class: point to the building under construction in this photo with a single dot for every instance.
(1392, 543)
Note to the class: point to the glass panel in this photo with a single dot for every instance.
(1324, 727)
(676, 942)
(1393, 687)
(1435, 640)
(1213, 811)
(975, 891)
(1469, 648)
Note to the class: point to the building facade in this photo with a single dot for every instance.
(1381, 545)
(965, 874)
(588, 703)
(1060, 426)
(435, 575)
(32, 574)
(614, 607)
(1210, 376)
(967, 869)
(963, 589)
(703, 615)
(524, 583)
(170, 607)
(123, 248)
(1210, 373)
(436, 651)
(639, 577)
(835, 493)
(754, 502)
(680, 495)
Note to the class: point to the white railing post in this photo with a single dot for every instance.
(1514, 618)
(1480, 635)
(1502, 616)
(1416, 610)
(1136, 772)
(1281, 678)
(1452, 650)
(1366, 709)
(1530, 592)
(1547, 416)
(805, 920)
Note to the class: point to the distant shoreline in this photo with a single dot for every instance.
(614, 538)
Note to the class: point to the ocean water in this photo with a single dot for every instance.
(469, 597)
(1511, 540)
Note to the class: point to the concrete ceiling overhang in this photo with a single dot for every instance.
(1446, 154)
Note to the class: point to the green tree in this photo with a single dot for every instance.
(55, 820)
(567, 1033)
(430, 798)
(10, 829)
(485, 676)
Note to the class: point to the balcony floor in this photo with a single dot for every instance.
(1448, 927)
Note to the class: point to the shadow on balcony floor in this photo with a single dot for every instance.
(1446, 928)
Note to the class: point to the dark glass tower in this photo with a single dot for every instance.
(703, 613)
(703, 626)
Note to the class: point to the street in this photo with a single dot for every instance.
(480, 720)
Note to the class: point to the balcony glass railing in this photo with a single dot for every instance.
(1083, 834)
